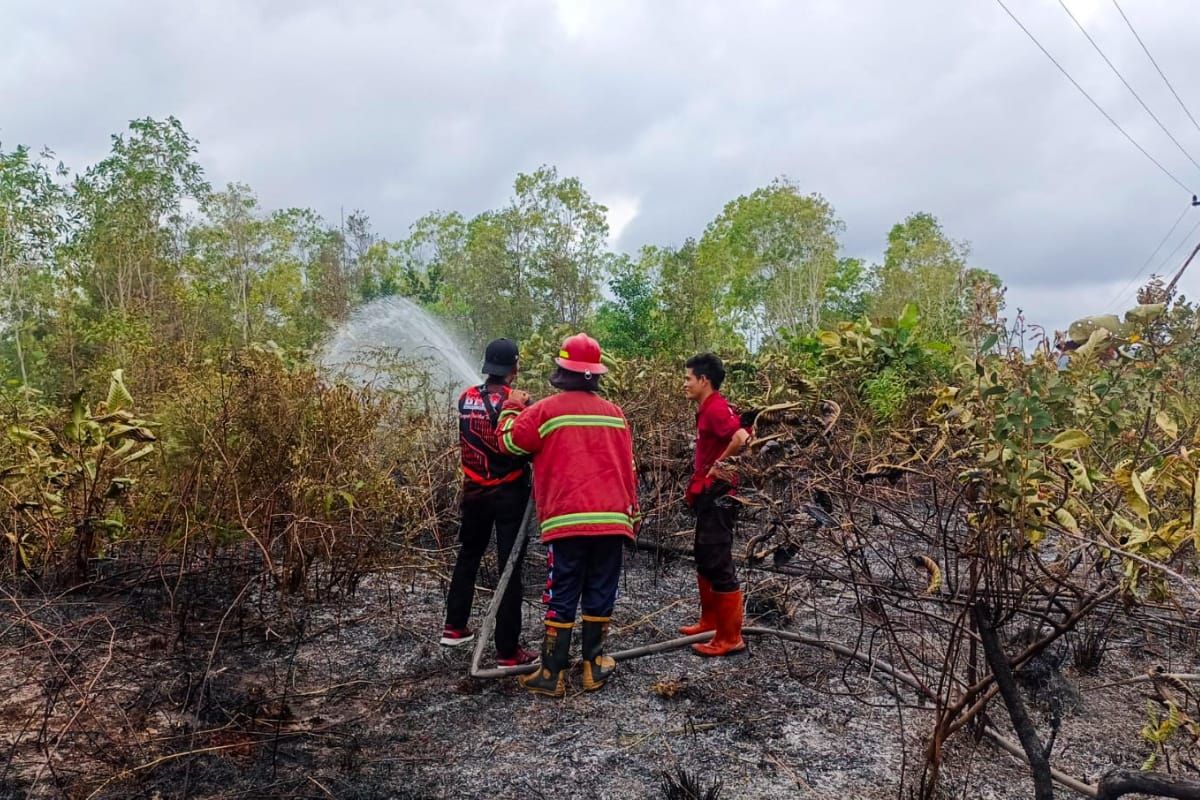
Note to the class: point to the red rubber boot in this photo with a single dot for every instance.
(708, 619)
(728, 640)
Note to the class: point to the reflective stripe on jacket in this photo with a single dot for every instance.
(583, 474)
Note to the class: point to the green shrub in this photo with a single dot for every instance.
(886, 393)
(66, 478)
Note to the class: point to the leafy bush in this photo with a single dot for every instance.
(886, 393)
(66, 478)
(265, 451)
(256, 450)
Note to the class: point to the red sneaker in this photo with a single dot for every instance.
(456, 637)
(517, 658)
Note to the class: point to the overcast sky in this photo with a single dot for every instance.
(665, 110)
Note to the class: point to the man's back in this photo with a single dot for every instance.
(583, 472)
(484, 464)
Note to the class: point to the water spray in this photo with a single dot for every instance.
(394, 331)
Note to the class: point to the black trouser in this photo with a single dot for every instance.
(504, 506)
(582, 570)
(716, 518)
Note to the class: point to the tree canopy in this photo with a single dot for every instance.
(138, 252)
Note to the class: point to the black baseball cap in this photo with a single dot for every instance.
(500, 357)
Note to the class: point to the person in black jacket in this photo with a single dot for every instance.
(495, 491)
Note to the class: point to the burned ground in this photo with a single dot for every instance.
(131, 695)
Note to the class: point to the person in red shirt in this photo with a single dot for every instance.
(495, 492)
(719, 435)
(586, 493)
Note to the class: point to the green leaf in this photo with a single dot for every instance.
(75, 429)
(1131, 485)
(118, 396)
(1066, 520)
(135, 432)
(112, 526)
(1196, 511)
(1141, 505)
(1079, 474)
(123, 416)
(1163, 420)
(1072, 439)
(1139, 537)
(123, 450)
(829, 339)
(1145, 313)
(25, 435)
(1146, 477)
(140, 454)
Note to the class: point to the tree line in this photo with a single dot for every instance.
(139, 262)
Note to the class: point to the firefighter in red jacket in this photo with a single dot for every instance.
(495, 491)
(719, 435)
(586, 494)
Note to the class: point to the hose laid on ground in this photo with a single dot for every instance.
(489, 622)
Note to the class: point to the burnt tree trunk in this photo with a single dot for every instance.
(1039, 763)
(1120, 782)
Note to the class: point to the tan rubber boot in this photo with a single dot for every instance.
(550, 679)
(597, 667)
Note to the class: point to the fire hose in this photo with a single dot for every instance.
(873, 664)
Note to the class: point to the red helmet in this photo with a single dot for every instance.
(581, 353)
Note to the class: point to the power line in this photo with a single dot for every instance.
(1113, 302)
(1156, 66)
(1083, 91)
(1132, 91)
(1170, 290)
(1187, 238)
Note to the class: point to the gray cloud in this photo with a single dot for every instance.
(666, 109)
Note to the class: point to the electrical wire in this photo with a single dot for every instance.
(1186, 240)
(1132, 91)
(1098, 107)
(1163, 75)
(1112, 303)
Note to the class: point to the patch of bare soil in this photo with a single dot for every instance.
(132, 696)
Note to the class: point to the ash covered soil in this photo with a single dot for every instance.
(358, 700)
